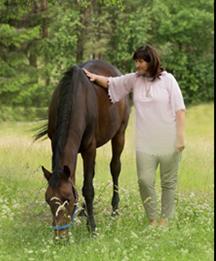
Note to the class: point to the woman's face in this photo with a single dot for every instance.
(141, 66)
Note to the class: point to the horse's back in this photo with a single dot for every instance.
(101, 67)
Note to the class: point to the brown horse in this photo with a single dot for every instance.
(81, 118)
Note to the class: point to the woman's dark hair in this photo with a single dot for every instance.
(150, 55)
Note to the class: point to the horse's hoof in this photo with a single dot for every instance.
(115, 213)
(95, 233)
(91, 229)
(82, 213)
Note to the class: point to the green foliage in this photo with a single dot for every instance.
(41, 39)
(127, 38)
(18, 113)
(185, 39)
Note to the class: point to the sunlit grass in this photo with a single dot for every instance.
(25, 217)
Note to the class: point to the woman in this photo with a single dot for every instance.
(160, 116)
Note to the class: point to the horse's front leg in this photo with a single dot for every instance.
(88, 156)
(115, 168)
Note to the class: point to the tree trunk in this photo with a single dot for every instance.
(82, 31)
(44, 25)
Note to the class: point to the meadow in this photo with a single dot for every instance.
(25, 217)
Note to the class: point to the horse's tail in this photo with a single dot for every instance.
(42, 132)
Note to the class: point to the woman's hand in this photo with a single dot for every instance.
(92, 77)
(180, 144)
(99, 79)
(180, 126)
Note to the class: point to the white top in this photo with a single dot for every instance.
(156, 103)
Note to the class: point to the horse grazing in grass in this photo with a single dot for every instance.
(81, 118)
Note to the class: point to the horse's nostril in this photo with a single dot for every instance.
(63, 235)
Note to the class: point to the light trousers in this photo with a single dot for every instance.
(146, 171)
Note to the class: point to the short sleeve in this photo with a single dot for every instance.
(176, 98)
(119, 87)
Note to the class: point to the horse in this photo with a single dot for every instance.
(81, 118)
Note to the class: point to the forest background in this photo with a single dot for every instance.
(40, 39)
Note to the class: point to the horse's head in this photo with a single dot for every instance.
(62, 199)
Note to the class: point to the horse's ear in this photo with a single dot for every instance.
(47, 174)
(67, 172)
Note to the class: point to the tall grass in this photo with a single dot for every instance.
(25, 217)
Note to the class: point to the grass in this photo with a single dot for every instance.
(25, 217)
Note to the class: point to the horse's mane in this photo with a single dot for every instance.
(67, 90)
(67, 94)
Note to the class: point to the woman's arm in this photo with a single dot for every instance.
(118, 86)
(99, 79)
(180, 129)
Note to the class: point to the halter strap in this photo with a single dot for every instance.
(61, 207)
(62, 227)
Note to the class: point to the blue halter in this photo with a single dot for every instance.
(73, 215)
